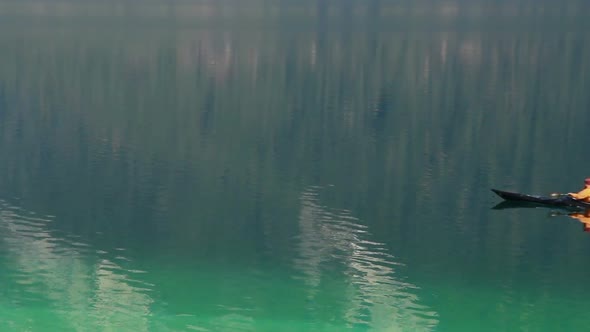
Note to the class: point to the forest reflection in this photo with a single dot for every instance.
(189, 96)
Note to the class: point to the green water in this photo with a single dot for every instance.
(291, 166)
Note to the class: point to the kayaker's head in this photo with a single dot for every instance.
(587, 181)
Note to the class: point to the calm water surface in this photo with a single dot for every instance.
(312, 166)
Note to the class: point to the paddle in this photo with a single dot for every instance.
(558, 195)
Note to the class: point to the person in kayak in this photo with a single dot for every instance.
(584, 194)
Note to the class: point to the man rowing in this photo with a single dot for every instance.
(584, 194)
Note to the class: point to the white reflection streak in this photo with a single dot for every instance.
(85, 295)
(374, 296)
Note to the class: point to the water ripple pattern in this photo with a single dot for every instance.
(63, 281)
(376, 297)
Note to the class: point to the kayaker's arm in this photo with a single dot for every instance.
(584, 194)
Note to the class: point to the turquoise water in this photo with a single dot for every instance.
(307, 166)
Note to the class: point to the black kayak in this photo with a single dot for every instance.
(563, 201)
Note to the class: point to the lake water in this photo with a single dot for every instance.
(291, 166)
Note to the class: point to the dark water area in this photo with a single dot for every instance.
(291, 166)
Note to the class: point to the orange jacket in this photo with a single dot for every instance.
(583, 195)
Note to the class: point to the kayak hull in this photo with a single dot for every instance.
(562, 201)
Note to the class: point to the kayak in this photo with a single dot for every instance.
(562, 201)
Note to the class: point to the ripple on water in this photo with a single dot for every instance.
(375, 294)
(65, 279)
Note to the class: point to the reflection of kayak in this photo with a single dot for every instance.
(563, 201)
